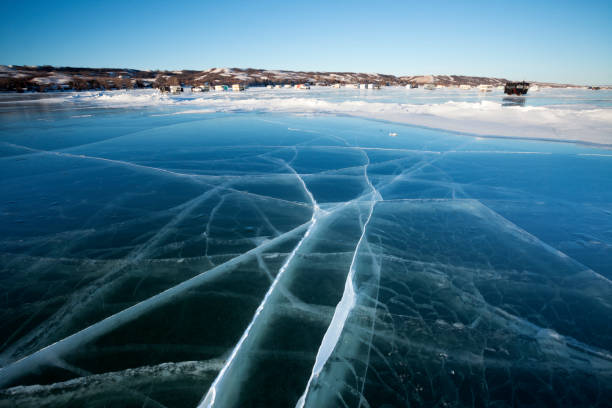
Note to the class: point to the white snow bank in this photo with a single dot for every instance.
(485, 117)
(482, 118)
(121, 99)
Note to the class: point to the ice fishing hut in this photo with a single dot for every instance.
(202, 88)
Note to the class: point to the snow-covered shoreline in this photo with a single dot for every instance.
(453, 110)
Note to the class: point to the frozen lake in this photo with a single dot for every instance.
(290, 248)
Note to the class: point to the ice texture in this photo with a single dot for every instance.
(257, 259)
(450, 316)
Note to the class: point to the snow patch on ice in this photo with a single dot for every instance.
(121, 99)
(484, 118)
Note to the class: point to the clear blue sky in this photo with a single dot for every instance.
(560, 41)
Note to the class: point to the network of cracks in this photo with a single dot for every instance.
(312, 274)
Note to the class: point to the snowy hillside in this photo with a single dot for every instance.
(44, 78)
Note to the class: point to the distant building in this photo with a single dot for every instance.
(175, 89)
(363, 86)
(465, 86)
(221, 87)
(237, 87)
(203, 88)
(485, 88)
(336, 86)
(429, 87)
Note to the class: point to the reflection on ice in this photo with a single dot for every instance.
(514, 101)
(279, 261)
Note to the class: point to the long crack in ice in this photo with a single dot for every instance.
(32, 362)
(210, 397)
(346, 304)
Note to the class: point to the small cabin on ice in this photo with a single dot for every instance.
(175, 89)
(485, 88)
(202, 88)
(237, 87)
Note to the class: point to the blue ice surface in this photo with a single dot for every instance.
(103, 209)
(560, 192)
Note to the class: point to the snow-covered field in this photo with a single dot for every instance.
(554, 114)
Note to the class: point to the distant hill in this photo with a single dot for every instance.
(45, 78)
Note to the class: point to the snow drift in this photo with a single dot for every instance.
(484, 117)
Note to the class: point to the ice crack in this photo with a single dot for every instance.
(344, 307)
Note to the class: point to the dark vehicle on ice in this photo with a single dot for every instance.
(516, 88)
